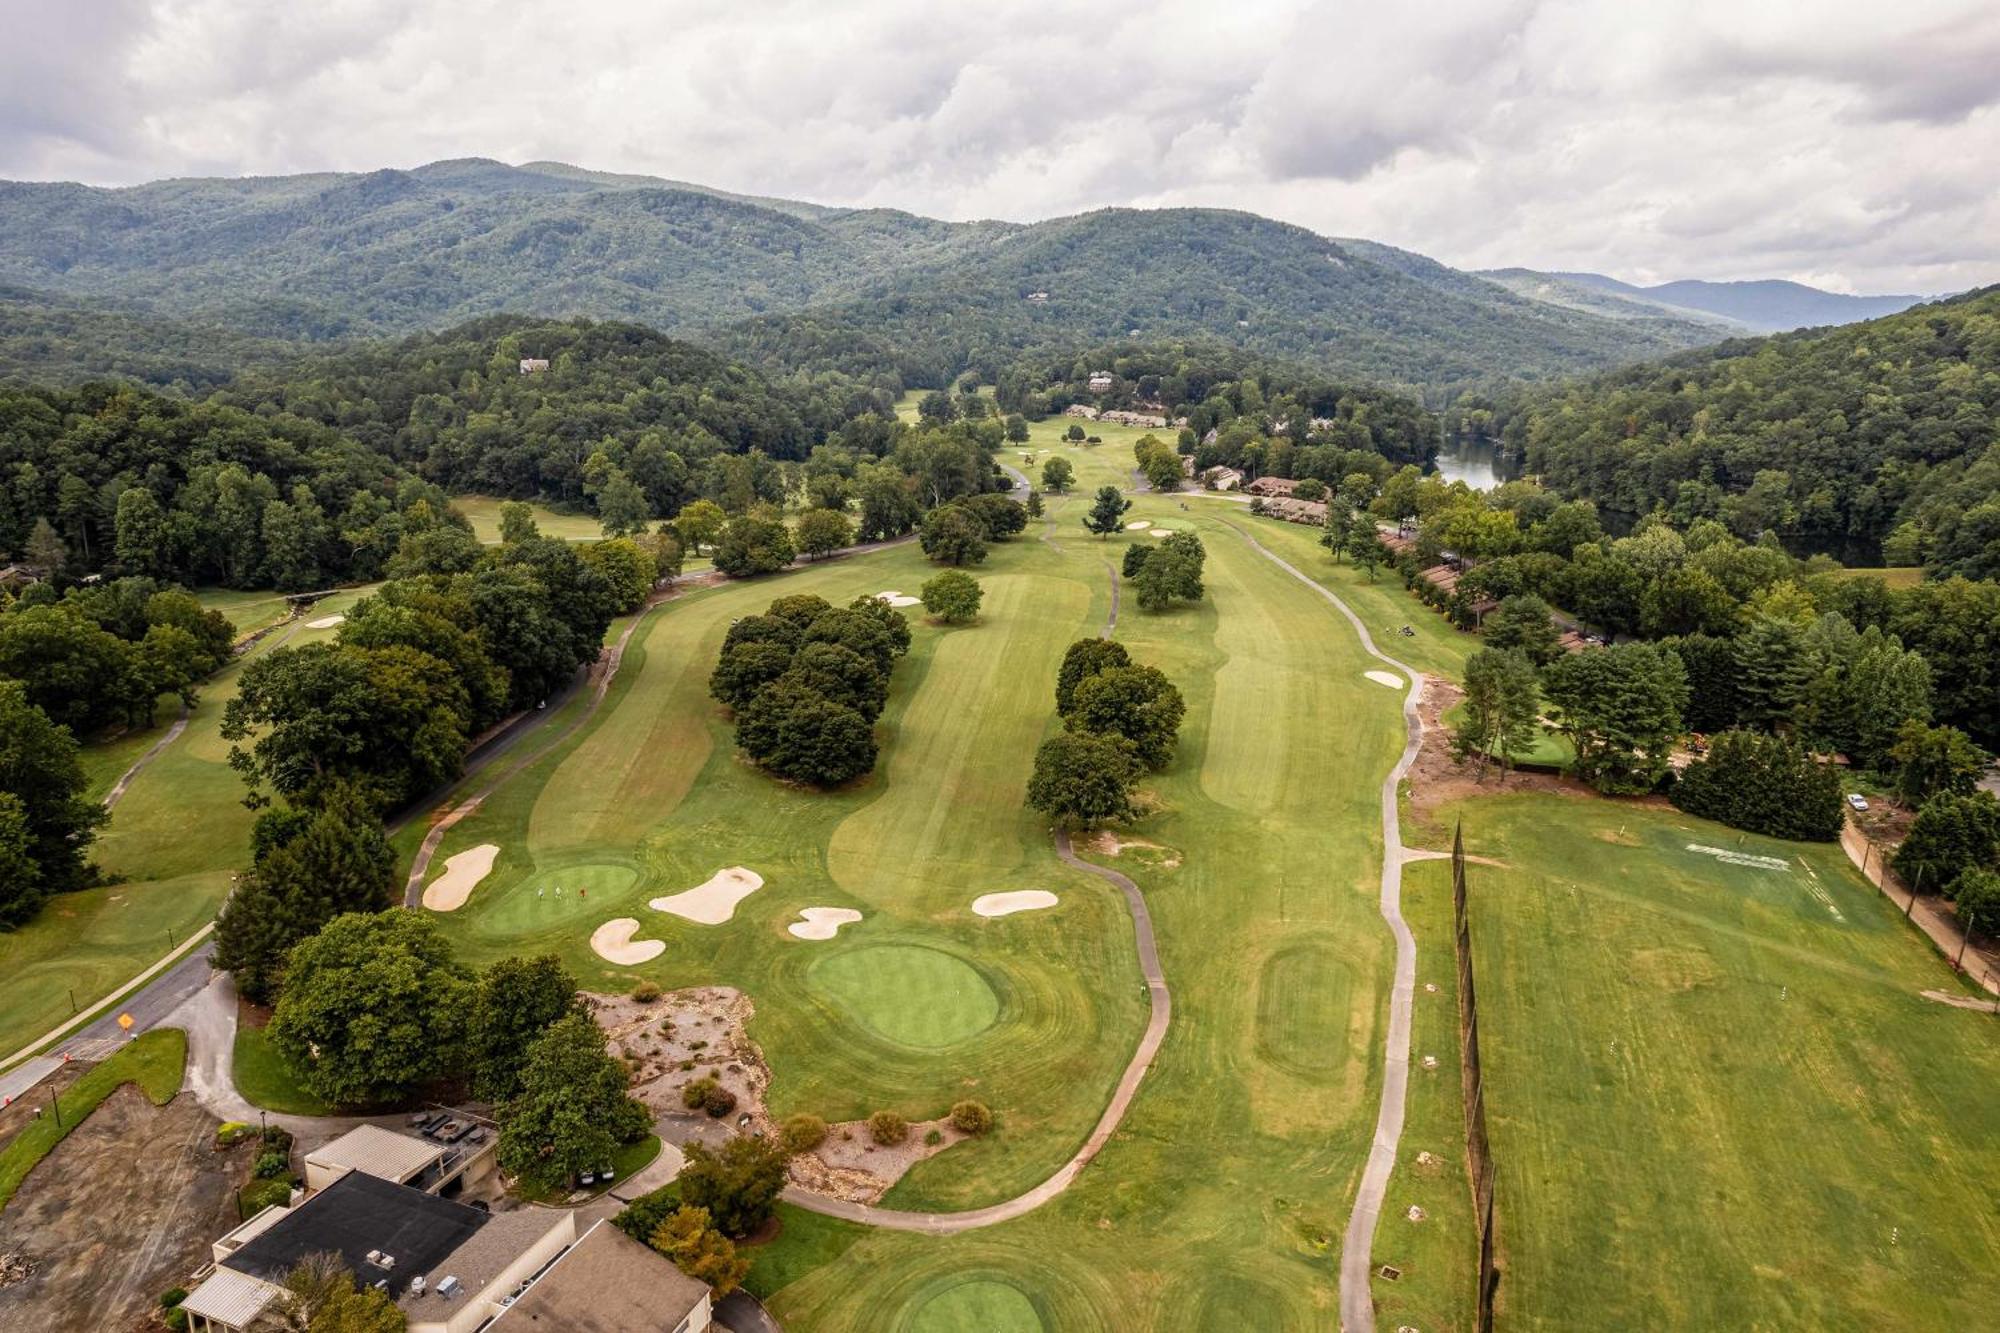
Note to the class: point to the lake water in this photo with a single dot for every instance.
(1477, 463)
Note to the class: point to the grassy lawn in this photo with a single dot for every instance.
(169, 851)
(153, 1061)
(1224, 1194)
(265, 1080)
(1549, 747)
(1716, 1099)
(484, 511)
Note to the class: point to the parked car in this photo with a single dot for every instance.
(1857, 800)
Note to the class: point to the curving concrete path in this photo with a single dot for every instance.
(1357, 1305)
(117, 792)
(945, 1224)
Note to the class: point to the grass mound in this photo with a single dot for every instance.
(992, 1307)
(909, 994)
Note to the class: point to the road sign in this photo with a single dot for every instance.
(125, 1022)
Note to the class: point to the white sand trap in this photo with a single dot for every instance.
(712, 903)
(1138, 523)
(325, 622)
(1020, 900)
(613, 942)
(1394, 682)
(462, 873)
(894, 598)
(823, 923)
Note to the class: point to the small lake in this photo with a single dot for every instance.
(1477, 463)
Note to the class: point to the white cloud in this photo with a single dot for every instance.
(1849, 143)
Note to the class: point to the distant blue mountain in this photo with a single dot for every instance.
(1768, 306)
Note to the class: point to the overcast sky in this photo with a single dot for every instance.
(1851, 144)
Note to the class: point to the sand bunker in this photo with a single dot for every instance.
(1021, 900)
(894, 598)
(823, 923)
(1394, 682)
(1138, 523)
(613, 942)
(712, 903)
(325, 622)
(462, 873)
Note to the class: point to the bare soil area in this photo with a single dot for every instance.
(122, 1209)
(700, 1033)
(1437, 780)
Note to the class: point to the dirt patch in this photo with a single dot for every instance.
(1437, 780)
(1673, 969)
(1152, 853)
(122, 1209)
(700, 1033)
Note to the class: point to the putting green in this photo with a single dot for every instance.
(909, 994)
(990, 1307)
(534, 904)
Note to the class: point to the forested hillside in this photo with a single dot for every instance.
(1874, 434)
(788, 285)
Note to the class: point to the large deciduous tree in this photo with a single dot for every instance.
(1084, 778)
(738, 1184)
(953, 536)
(952, 597)
(1137, 703)
(1081, 660)
(572, 1111)
(373, 1008)
(1621, 708)
(516, 1001)
(50, 823)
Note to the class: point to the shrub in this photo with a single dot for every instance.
(971, 1117)
(261, 1194)
(232, 1132)
(176, 1319)
(645, 992)
(277, 1138)
(694, 1093)
(272, 1165)
(802, 1133)
(887, 1128)
(932, 1138)
(645, 1213)
(718, 1101)
(172, 1296)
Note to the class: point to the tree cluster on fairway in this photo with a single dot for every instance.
(807, 680)
(1058, 474)
(417, 669)
(1621, 708)
(311, 865)
(1502, 710)
(1119, 719)
(106, 653)
(952, 596)
(1766, 784)
(957, 533)
(1167, 573)
(1158, 461)
(754, 543)
(46, 821)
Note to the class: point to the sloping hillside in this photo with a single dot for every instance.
(336, 256)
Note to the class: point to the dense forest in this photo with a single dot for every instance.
(1879, 435)
(786, 286)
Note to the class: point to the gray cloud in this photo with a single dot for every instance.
(1842, 142)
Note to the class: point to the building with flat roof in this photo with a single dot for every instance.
(435, 1167)
(609, 1283)
(450, 1267)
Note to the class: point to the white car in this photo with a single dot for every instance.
(1857, 800)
